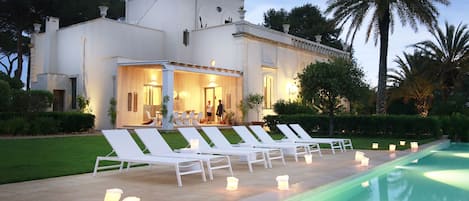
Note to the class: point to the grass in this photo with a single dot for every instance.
(29, 159)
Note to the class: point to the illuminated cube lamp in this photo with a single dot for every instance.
(232, 183)
(392, 147)
(131, 199)
(113, 194)
(365, 161)
(359, 155)
(194, 143)
(308, 158)
(402, 143)
(282, 182)
(414, 146)
(374, 145)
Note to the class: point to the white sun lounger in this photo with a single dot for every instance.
(249, 139)
(265, 138)
(127, 151)
(291, 136)
(157, 146)
(190, 133)
(344, 142)
(221, 142)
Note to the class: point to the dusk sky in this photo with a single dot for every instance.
(367, 54)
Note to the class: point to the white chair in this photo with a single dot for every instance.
(196, 120)
(190, 133)
(187, 118)
(219, 140)
(249, 139)
(157, 146)
(290, 136)
(265, 138)
(341, 143)
(177, 119)
(127, 151)
(153, 119)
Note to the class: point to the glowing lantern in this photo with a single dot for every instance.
(232, 183)
(402, 142)
(365, 161)
(194, 144)
(365, 184)
(113, 194)
(282, 182)
(374, 145)
(359, 155)
(131, 199)
(414, 146)
(308, 158)
(392, 147)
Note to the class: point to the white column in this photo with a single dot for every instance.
(168, 99)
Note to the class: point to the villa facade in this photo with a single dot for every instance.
(204, 51)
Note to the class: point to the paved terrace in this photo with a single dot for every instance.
(159, 182)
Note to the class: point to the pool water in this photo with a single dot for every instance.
(442, 175)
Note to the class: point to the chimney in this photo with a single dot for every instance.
(37, 27)
(52, 24)
(103, 11)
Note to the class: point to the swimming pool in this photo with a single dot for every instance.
(440, 172)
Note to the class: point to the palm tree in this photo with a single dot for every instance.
(451, 51)
(383, 14)
(413, 81)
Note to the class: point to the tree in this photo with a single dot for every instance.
(327, 83)
(451, 52)
(383, 14)
(306, 22)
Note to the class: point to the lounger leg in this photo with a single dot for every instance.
(269, 161)
(121, 166)
(209, 169)
(283, 157)
(96, 167)
(178, 175)
(265, 160)
(319, 150)
(202, 171)
(250, 166)
(333, 148)
(229, 163)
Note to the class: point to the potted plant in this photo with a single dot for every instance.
(254, 101)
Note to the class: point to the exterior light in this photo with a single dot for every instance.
(113, 194)
(308, 158)
(232, 183)
(131, 199)
(194, 143)
(365, 184)
(374, 145)
(414, 146)
(365, 161)
(402, 142)
(213, 62)
(392, 147)
(359, 155)
(282, 182)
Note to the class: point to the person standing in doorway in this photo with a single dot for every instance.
(208, 109)
(220, 111)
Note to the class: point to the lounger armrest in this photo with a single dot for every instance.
(242, 145)
(185, 150)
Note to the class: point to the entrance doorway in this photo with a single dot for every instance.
(58, 104)
(212, 94)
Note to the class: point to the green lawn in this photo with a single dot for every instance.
(28, 159)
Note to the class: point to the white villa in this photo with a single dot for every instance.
(190, 51)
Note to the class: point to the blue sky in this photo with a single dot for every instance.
(367, 54)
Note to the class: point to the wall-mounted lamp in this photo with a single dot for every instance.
(213, 63)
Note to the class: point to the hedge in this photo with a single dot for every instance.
(378, 126)
(43, 123)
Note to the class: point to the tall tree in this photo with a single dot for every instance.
(306, 22)
(450, 49)
(327, 83)
(413, 81)
(383, 14)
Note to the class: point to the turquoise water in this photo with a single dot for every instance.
(442, 175)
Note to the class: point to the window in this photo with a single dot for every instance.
(185, 37)
(73, 82)
(268, 91)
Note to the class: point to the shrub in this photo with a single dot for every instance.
(14, 126)
(39, 100)
(283, 107)
(5, 97)
(43, 125)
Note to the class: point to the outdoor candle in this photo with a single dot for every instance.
(308, 158)
(131, 199)
(282, 182)
(194, 144)
(232, 183)
(359, 155)
(113, 194)
(392, 147)
(402, 142)
(414, 146)
(374, 145)
(365, 161)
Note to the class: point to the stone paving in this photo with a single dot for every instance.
(159, 182)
